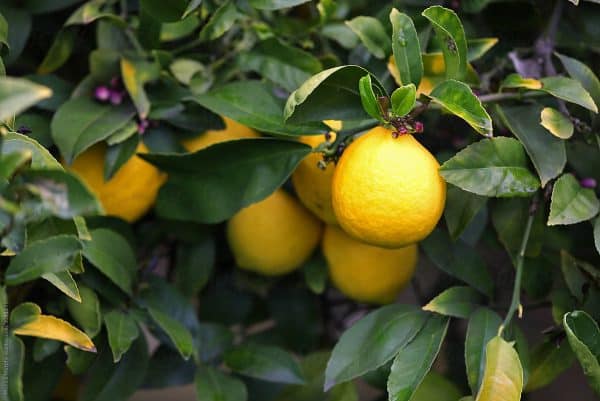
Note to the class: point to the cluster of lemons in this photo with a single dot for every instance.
(368, 211)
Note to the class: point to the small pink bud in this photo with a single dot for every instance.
(395, 135)
(588, 182)
(142, 126)
(102, 93)
(418, 127)
(115, 82)
(402, 130)
(116, 97)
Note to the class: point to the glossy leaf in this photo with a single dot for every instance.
(406, 48)
(584, 74)
(254, 167)
(59, 52)
(546, 152)
(414, 360)
(583, 333)
(275, 4)
(264, 362)
(509, 217)
(449, 29)
(51, 255)
(194, 265)
(40, 157)
(503, 374)
(575, 279)
(483, 326)
(569, 90)
(79, 123)
(461, 208)
(557, 123)
(403, 99)
(178, 334)
(459, 99)
(220, 22)
(517, 81)
(165, 11)
(571, 203)
(17, 94)
(477, 48)
(437, 387)
(548, 361)
(87, 312)
(252, 103)
(455, 301)
(315, 274)
(491, 167)
(373, 341)
(122, 330)
(330, 95)
(212, 385)
(372, 34)
(368, 99)
(135, 74)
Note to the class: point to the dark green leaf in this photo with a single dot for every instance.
(43, 348)
(13, 161)
(450, 31)
(373, 341)
(194, 265)
(113, 256)
(52, 255)
(583, 334)
(597, 234)
(509, 217)
(456, 302)
(78, 361)
(18, 94)
(574, 277)
(135, 74)
(330, 95)
(59, 52)
(315, 274)
(197, 191)
(275, 4)
(212, 385)
(570, 90)
(64, 282)
(403, 99)
(368, 99)
(372, 34)
(557, 123)
(571, 203)
(414, 360)
(162, 11)
(461, 209)
(546, 152)
(478, 47)
(220, 22)
(406, 48)
(548, 361)
(122, 330)
(483, 326)
(87, 312)
(177, 332)
(214, 339)
(167, 369)
(460, 100)
(253, 103)
(264, 362)
(90, 12)
(491, 167)
(517, 81)
(117, 155)
(40, 157)
(13, 363)
(3, 34)
(583, 74)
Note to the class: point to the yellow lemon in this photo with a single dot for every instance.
(387, 191)
(364, 272)
(130, 193)
(233, 130)
(274, 236)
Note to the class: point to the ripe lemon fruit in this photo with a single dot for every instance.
(274, 236)
(387, 191)
(312, 184)
(364, 272)
(233, 130)
(130, 193)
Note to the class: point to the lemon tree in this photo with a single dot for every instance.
(284, 200)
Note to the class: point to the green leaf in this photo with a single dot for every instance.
(264, 362)
(331, 94)
(40, 157)
(557, 123)
(503, 374)
(117, 155)
(461, 208)
(275, 4)
(51, 255)
(460, 100)
(583, 333)
(315, 274)
(213, 385)
(122, 330)
(495, 167)
(253, 103)
(517, 81)
(285, 65)
(479, 47)
(372, 34)
(220, 22)
(135, 74)
(78, 361)
(414, 360)
(90, 12)
(13, 161)
(167, 369)
(406, 48)
(546, 152)
(509, 217)
(59, 52)
(455, 301)
(450, 31)
(165, 11)
(254, 169)
(87, 312)
(112, 255)
(483, 326)
(437, 387)
(368, 99)
(569, 90)
(3, 34)
(195, 264)
(64, 282)
(574, 277)
(14, 364)
(597, 234)
(214, 339)
(571, 203)
(584, 74)
(548, 361)
(458, 260)
(177, 332)
(373, 341)
(17, 94)
(81, 122)
(403, 99)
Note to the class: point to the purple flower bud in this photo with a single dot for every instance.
(418, 127)
(142, 126)
(402, 130)
(588, 182)
(115, 82)
(116, 97)
(102, 93)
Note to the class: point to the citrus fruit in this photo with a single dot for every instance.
(130, 193)
(387, 191)
(233, 130)
(364, 272)
(274, 236)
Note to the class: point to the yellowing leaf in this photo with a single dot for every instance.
(53, 328)
(503, 374)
